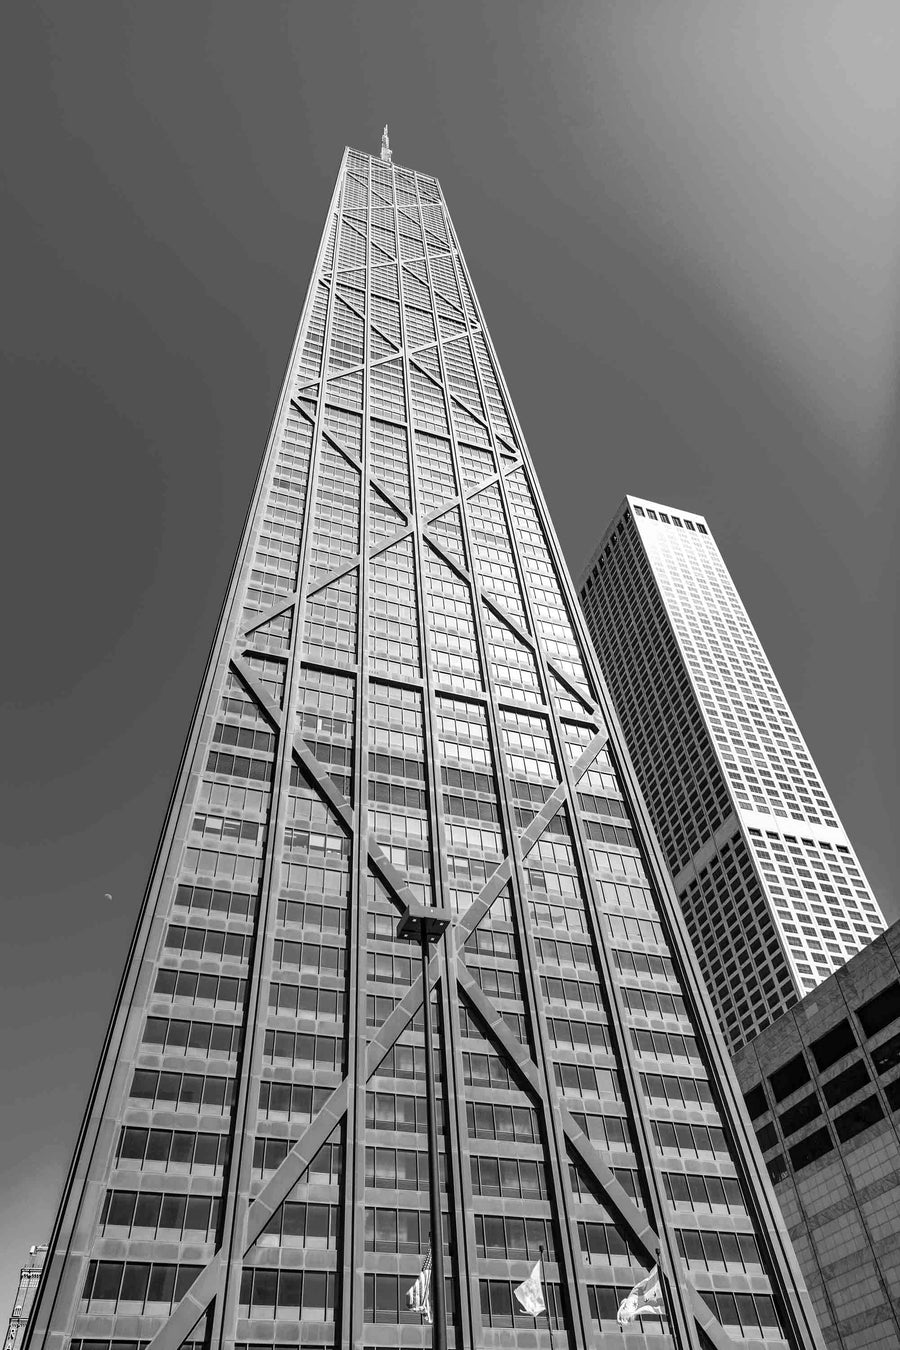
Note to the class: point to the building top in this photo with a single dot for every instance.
(388, 162)
(642, 509)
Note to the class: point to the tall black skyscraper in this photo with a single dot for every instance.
(402, 713)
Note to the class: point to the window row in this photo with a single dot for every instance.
(308, 956)
(243, 738)
(297, 1224)
(610, 1131)
(665, 1087)
(309, 914)
(399, 1169)
(692, 1191)
(396, 766)
(325, 1169)
(498, 983)
(664, 1044)
(406, 1061)
(754, 1314)
(197, 987)
(239, 766)
(173, 1150)
(489, 1121)
(306, 1000)
(653, 1003)
(299, 1047)
(579, 993)
(292, 1100)
(716, 1251)
(153, 1286)
(208, 862)
(686, 1139)
(192, 1091)
(568, 955)
(512, 1178)
(230, 904)
(485, 1070)
(487, 941)
(227, 829)
(404, 1231)
(318, 881)
(513, 1239)
(208, 942)
(148, 1214)
(585, 1080)
(644, 963)
(500, 1307)
(635, 930)
(295, 1294)
(201, 1038)
(578, 1035)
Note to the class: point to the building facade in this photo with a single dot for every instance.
(402, 712)
(823, 1088)
(772, 892)
(29, 1275)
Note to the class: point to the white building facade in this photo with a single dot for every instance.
(773, 893)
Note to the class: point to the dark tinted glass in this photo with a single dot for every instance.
(755, 1101)
(814, 1146)
(795, 1117)
(829, 1048)
(789, 1077)
(881, 1010)
(859, 1118)
(849, 1081)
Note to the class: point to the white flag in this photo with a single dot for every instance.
(530, 1294)
(418, 1296)
(645, 1300)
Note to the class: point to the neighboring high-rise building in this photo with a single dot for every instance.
(772, 892)
(823, 1088)
(29, 1275)
(402, 716)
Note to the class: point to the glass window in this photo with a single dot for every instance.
(881, 1010)
(851, 1080)
(829, 1048)
(789, 1077)
(859, 1118)
(814, 1146)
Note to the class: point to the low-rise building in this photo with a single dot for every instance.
(822, 1086)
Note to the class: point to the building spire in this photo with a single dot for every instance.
(385, 146)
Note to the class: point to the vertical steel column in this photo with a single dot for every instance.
(439, 1336)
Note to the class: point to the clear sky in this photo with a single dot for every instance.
(683, 222)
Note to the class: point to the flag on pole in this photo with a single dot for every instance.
(418, 1296)
(530, 1292)
(645, 1300)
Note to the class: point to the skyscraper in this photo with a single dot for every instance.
(402, 718)
(773, 894)
(29, 1274)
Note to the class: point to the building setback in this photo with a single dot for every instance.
(29, 1275)
(772, 892)
(823, 1088)
(402, 714)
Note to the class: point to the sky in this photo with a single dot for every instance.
(682, 218)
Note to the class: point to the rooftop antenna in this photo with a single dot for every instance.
(385, 146)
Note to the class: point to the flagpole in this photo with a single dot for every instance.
(428, 925)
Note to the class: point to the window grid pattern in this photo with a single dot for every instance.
(783, 902)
